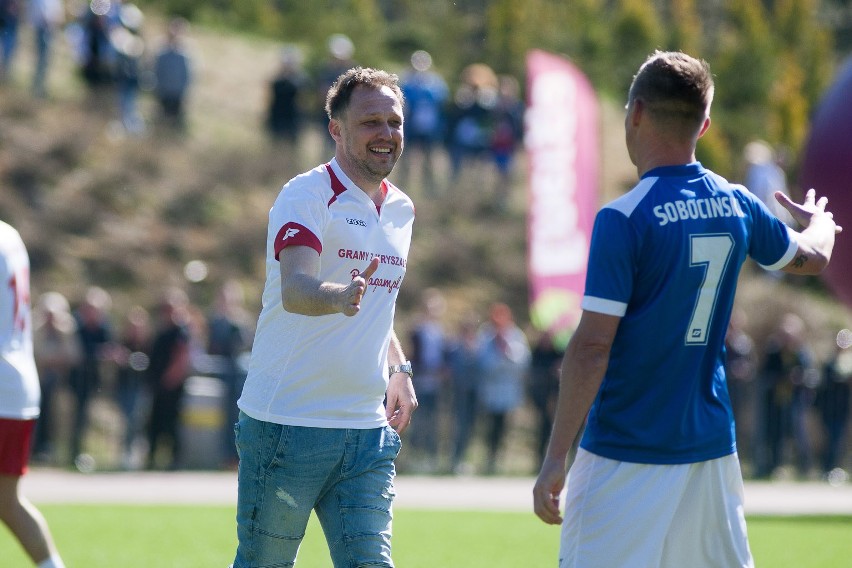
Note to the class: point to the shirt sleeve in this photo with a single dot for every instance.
(772, 243)
(610, 274)
(298, 218)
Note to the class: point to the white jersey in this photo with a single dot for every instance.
(19, 387)
(329, 371)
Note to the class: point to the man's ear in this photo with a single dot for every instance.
(637, 111)
(334, 128)
(704, 127)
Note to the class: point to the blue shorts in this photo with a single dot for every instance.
(345, 475)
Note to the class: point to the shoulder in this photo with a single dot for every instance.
(313, 184)
(630, 201)
(395, 194)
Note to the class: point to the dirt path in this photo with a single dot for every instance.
(413, 492)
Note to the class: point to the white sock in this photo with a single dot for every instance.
(52, 562)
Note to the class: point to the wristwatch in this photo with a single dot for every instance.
(404, 368)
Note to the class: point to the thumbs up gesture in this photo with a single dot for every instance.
(355, 290)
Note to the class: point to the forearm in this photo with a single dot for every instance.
(816, 243)
(396, 356)
(582, 372)
(303, 294)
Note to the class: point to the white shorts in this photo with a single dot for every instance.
(630, 515)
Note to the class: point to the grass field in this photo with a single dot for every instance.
(108, 536)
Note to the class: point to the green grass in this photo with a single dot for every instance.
(106, 536)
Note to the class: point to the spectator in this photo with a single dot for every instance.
(46, 17)
(505, 364)
(132, 392)
(173, 75)
(464, 362)
(95, 334)
(507, 135)
(764, 176)
(10, 17)
(470, 122)
(285, 114)
(426, 95)
(96, 51)
(545, 362)
(129, 49)
(227, 340)
(788, 381)
(741, 371)
(167, 372)
(833, 403)
(57, 352)
(427, 356)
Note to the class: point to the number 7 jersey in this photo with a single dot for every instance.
(665, 257)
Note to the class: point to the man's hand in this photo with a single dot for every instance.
(547, 489)
(401, 401)
(810, 211)
(353, 293)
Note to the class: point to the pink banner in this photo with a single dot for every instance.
(562, 144)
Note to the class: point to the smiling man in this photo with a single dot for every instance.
(329, 389)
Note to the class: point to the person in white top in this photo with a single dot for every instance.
(19, 401)
(329, 389)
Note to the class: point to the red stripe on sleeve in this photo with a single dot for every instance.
(294, 234)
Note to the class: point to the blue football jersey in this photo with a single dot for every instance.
(665, 257)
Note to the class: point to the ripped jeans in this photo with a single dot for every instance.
(345, 475)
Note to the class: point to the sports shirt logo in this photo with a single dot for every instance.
(291, 232)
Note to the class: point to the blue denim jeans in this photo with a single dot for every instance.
(286, 472)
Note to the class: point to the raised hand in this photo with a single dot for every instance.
(809, 211)
(353, 293)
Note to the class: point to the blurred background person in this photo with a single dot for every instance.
(833, 399)
(764, 176)
(132, 393)
(168, 369)
(507, 136)
(46, 18)
(505, 364)
(228, 339)
(470, 120)
(57, 351)
(10, 17)
(545, 362)
(464, 365)
(787, 389)
(426, 94)
(428, 344)
(129, 49)
(95, 335)
(173, 75)
(284, 109)
(741, 361)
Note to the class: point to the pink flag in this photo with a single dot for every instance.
(562, 145)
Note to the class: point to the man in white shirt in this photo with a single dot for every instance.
(328, 389)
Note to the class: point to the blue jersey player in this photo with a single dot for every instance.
(656, 479)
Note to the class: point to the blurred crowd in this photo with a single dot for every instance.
(476, 125)
(135, 369)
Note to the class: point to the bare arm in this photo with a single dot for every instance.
(401, 399)
(302, 292)
(816, 239)
(583, 369)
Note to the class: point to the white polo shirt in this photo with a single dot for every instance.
(19, 387)
(329, 371)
